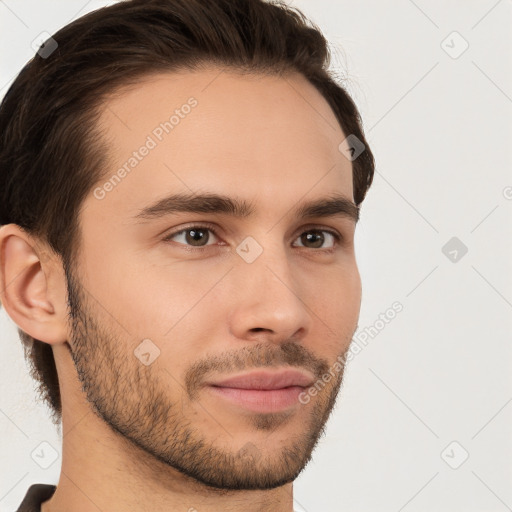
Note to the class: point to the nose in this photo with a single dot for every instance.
(268, 301)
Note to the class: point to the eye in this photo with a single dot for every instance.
(195, 236)
(317, 239)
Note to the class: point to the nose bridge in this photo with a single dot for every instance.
(265, 261)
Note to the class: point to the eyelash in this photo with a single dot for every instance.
(211, 228)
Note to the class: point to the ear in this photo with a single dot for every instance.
(32, 285)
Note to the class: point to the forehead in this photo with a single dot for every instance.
(223, 131)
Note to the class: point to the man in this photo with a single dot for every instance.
(180, 185)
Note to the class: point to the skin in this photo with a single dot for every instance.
(139, 437)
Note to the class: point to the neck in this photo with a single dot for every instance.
(103, 471)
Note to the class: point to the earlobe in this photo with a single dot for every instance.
(25, 287)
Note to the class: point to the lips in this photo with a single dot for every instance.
(267, 380)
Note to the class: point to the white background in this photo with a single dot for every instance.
(440, 130)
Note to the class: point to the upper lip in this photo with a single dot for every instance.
(266, 380)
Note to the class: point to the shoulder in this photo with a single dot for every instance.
(36, 494)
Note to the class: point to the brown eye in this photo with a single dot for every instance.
(314, 238)
(193, 236)
(196, 236)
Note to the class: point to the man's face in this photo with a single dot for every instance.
(210, 305)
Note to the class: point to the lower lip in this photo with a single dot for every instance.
(259, 400)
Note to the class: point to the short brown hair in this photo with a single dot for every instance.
(50, 154)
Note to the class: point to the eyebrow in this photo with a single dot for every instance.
(335, 205)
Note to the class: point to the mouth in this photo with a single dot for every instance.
(263, 391)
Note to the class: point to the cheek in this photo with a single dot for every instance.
(145, 299)
(169, 300)
(336, 301)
